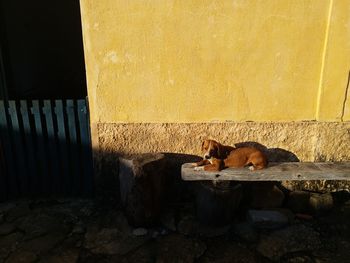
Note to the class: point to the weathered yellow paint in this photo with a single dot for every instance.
(223, 60)
(333, 103)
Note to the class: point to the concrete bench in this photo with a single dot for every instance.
(294, 171)
(215, 205)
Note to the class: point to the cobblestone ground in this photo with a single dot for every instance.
(75, 230)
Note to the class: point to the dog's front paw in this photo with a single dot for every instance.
(252, 168)
(199, 168)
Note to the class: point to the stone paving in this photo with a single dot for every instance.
(77, 230)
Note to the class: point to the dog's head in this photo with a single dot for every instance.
(211, 149)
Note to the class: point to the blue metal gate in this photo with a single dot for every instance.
(45, 148)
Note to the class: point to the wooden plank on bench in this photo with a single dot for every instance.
(294, 171)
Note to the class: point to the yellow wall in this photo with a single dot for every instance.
(224, 60)
(332, 103)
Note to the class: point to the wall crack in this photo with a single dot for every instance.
(345, 98)
(324, 53)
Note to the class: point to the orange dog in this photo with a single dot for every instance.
(217, 157)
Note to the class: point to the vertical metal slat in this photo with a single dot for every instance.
(30, 148)
(10, 180)
(74, 154)
(87, 162)
(3, 176)
(62, 146)
(52, 147)
(22, 178)
(40, 166)
(40, 183)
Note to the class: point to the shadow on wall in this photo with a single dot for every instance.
(39, 160)
(42, 165)
(107, 164)
(142, 197)
(273, 154)
(107, 171)
(107, 168)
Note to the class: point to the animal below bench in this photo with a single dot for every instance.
(217, 157)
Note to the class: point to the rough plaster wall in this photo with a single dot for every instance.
(333, 142)
(309, 141)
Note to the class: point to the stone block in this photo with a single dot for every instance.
(310, 203)
(143, 187)
(216, 203)
(296, 238)
(267, 219)
(320, 203)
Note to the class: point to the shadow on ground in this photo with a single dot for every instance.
(85, 230)
(61, 229)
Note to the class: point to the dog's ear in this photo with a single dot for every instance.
(217, 147)
(220, 150)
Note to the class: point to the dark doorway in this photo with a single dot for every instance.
(42, 49)
(45, 146)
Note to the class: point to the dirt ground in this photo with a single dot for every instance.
(80, 230)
